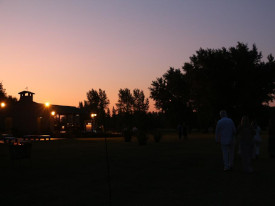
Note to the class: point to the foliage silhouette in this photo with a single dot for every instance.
(235, 79)
(97, 102)
(132, 108)
(171, 95)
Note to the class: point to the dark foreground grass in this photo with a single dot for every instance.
(172, 172)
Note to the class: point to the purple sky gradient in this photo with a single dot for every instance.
(60, 49)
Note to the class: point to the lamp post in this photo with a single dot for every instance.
(2, 105)
(47, 115)
(52, 121)
(93, 115)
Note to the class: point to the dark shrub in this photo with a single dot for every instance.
(142, 138)
(157, 136)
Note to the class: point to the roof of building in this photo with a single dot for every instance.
(26, 92)
(60, 109)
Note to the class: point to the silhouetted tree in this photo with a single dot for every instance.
(234, 79)
(92, 100)
(171, 95)
(132, 108)
(103, 101)
(10, 103)
(97, 102)
(108, 123)
(140, 103)
(80, 105)
(114, 120)
(124, 108)
(4, 97)
(140, 109)
(3, 94)
(113, 111)
(125, 101)
(108, 113)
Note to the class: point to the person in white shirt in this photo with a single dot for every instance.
(225, 135)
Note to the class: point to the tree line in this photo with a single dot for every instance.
(235, 79)
(131, 108)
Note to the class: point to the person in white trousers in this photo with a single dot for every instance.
(225, 135)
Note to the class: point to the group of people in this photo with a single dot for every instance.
(248, 136)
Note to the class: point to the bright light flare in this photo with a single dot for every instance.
(93, 115)
(53, 113)
(3, 104)
(47, 104)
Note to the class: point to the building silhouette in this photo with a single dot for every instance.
(26, 117)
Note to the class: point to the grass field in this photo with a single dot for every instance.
(171, 172)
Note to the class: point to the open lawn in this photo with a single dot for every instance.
(171, 172)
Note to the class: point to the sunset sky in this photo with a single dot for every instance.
(60, 49)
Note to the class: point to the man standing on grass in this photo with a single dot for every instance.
(225, 132)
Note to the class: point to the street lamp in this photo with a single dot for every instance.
(3, 104)
(47, 104)
(2, 126)
(93, 115)
(52, 121)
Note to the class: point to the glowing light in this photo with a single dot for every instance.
(93, 115)
(3, 104)
(53, 113)
(47, 104)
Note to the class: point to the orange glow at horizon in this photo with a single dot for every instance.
(62, 49)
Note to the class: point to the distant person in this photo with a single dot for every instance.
(180, 130)
(225, 132)
(271, 137)
(257, 139)
(246, 134)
